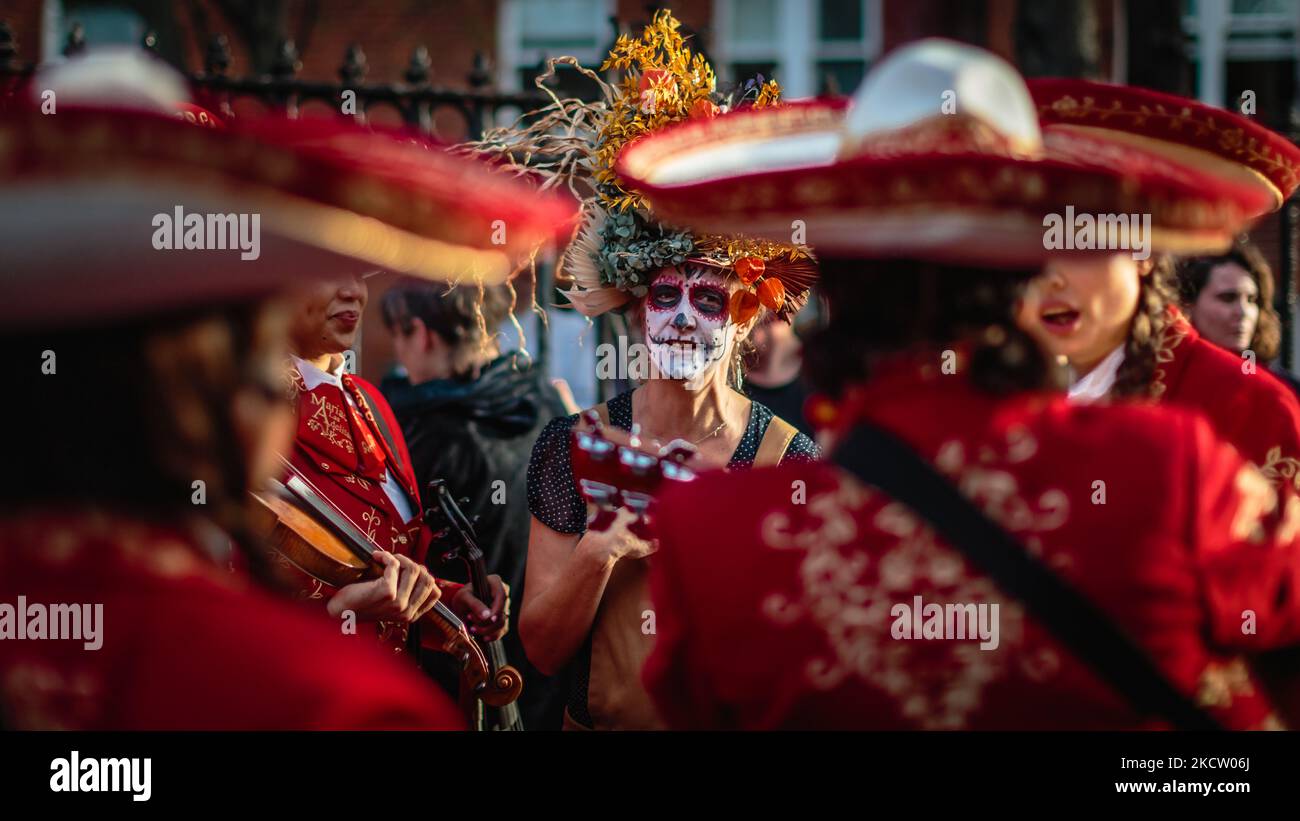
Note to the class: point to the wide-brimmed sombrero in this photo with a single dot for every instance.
(939, 156)
(1210, 139)
(92, 197)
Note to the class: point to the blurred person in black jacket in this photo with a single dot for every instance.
(470, 415)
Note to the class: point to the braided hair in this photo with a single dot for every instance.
(1151, 321)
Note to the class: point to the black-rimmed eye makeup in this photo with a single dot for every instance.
(665, 296)
(709, 299)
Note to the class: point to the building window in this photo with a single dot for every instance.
(810, 46)
(1245, 45)
(531, 31)
(104, 24)
(842, 47)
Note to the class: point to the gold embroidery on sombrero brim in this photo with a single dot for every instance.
(1232, 140)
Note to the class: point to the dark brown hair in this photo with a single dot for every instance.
(134, 414)
(1194, 274)
(464, 316)
(883, 307)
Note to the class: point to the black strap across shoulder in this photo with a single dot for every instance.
(882, 461)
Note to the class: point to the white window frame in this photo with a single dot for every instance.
(512, 56)
(798, 48)
(1213, 26)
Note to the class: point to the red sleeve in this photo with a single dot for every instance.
(204, 658)
(676, 685)
(1247, 546)
(1272, 429)
(1254, 411)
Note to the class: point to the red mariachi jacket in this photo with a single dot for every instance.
(1255, 412)
(1140, 507)
(341, 448)
(182, 644)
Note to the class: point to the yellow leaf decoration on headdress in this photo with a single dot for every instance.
(664, 83)
(618, 244)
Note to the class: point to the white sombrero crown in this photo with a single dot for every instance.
(941, 79)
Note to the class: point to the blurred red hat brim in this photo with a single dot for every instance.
(1210, 139)
(82, 191)
(771, 171)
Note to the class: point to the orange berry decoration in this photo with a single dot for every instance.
(749, 269)
(771, 292)
(653, 77)
(743, 306)
(704, 108)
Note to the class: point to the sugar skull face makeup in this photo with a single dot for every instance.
(686, 326)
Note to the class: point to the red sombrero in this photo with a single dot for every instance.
(896, 174)
(1190, 132)
(86, 192)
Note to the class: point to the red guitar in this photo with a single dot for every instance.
(616, 469)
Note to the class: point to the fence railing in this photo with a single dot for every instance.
(415, 97)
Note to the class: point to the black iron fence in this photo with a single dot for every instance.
(415, 97)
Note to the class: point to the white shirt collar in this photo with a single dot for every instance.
(313, 376)
(1097, 384)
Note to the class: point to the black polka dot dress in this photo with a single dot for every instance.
(554, 499)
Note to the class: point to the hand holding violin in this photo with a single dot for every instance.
(404, 592)
(486, 623)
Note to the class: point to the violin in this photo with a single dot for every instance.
(454, 534)
(302, 526)
(617, 469)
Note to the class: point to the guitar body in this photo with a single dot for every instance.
(616, 469)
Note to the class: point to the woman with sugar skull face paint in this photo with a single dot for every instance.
(685, 323)
(586, 605)
(690, 301)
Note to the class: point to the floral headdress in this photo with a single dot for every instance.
(618, 244)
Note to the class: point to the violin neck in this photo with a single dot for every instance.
(478, 575)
